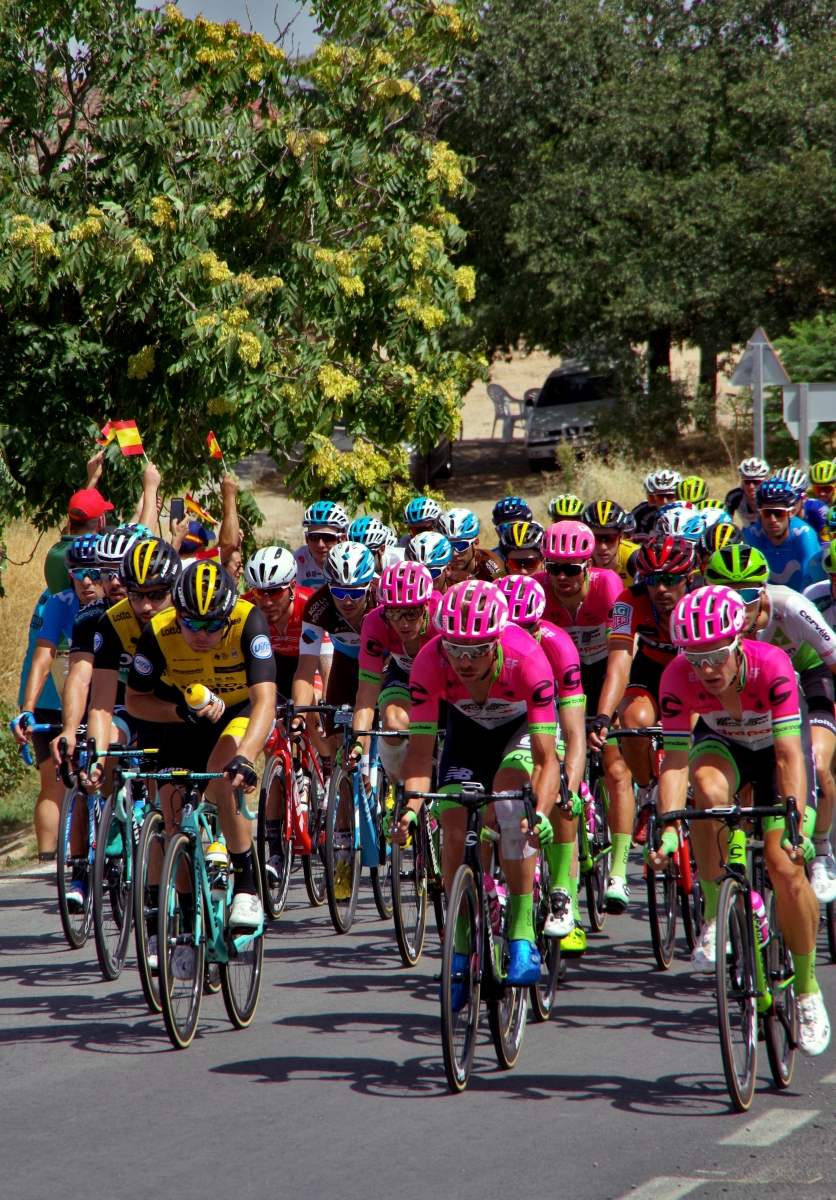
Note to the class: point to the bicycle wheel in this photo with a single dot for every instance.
(542, 993)
(830, 918)
(596, 879)
(313, 864)
(112, 898)
(146, 904)
(241, 977)
(278, 850)
(409, 892)
(691, 903)
(459, 981)
(181, 949)
(342, 860)
(661, 912)
(75, 922)
(382, 882)
(781, 1023)
(506, 1019)
(737, 1016)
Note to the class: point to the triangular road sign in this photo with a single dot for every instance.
(772, 370)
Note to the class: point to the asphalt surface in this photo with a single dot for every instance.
(337, 1089)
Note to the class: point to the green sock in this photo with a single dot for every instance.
(522, 919)
(573, 892)
(620, 852)
(461, 935)
(806, 983)
(711, 896)
(559, 858)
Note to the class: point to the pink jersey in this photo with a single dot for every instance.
(562, 654)
(589, 627)
(523, 685)
(768, 700)
(378, 640)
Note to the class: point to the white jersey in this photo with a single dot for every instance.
(796, 625)
(820, 595)
(308, 574)
(392, 554)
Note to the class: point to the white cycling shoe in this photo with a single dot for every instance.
(823, 878)
(246, 911)
(151, 953)
(617, 895)
(813, 1024)
(705, 951)
(561, 920)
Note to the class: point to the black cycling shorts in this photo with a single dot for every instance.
(40, 741)
(343, 680)
(592, 680)
(395, 685)
(756, 767)
(472, 752)
(817, 689)
(285, 670)
(190, 746)
(645, 675)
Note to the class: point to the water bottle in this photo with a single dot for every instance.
(761, 919)
(588, 808)
(497, 899)
(537, 882)
(217, 868)
(198, 697)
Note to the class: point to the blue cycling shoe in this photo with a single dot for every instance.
(524, 967)
(459, 989)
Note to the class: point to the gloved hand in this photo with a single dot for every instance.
(403, 829)
(543, 826)
(670, 845)
(19, 732)
(243, 767)
(805, 847)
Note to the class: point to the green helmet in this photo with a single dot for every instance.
(692, 489)
(828, 558)
(823, 473)
(565, 506)
(734, 565)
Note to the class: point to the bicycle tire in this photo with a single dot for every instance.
(241, 979)
(691, 903)
(342, 910)
(506, 1020)
(112, 895)
(275, 896)
(381, 875)
(436, 885)
(542, 993)
(596, 879)
(313, 864)
(76, 925)
(146, 906)
(180, 998)
(459, 1028)
(410, 892)
(661, 913)
(737, 1017)
(781, 1035)
(830, 921)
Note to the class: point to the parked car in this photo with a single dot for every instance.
(565, 410)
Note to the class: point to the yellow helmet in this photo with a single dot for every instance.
(565, 506)
(702, 504)
(691, 489)
(823, 473)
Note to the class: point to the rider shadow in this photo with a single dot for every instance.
(418, 1029)
(100, 1024)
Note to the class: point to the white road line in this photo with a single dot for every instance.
(664, 1187)
(770, 1128)
(830, 1078)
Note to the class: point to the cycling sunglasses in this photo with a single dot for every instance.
(775, 513)
(204, 625)
(664, 579)
(524, 564)
(712, 658)
(750, 595)
(436, 572)
(341, 593)
(266, 593)
(467, 649)
(154, 594)
(109, 573)
(606, 539)
(570, 570)
(403, 614)
(329, 539)
(82, 573)
(462, 545)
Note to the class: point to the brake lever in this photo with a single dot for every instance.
(792, 817)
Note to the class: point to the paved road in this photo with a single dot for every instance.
(338, 1089)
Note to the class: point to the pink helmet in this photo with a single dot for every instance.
(404, 585)
(706, 616)
(473, 611)
(525, 596)
(568, 539)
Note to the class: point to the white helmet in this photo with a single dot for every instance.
(661, 482)
(391, 537)
(271, 567)
(798, 481)
(457, 524)
(674, 520)
(753, 468)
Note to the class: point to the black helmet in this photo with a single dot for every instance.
(205, 591)
(83, 551)
(114, 545)
(148, 563)
(605, 514)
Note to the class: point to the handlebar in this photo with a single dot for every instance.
(732, 814)
(650, 732)
(472, 796)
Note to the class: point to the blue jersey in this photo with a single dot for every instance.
(49, 697)
(59, 615)
(814, 513)
(792, 562)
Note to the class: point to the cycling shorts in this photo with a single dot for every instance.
(285, 670)
(756, 767)
(472, 752)
(395, 686)
(645, 676)
(40, 741)
(191, 746)
(817, 689)
(342, 686)
(592, 680)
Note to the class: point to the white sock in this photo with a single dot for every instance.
(822, 843)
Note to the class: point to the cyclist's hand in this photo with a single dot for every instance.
(20, 736)
(242, 773)
(598, 733)
(400, 832)
(69, 737)
(805, 853)
(657, 859)
(355, 757)
(297, 726)
(575, 805)
(543, 827)
(214, 711)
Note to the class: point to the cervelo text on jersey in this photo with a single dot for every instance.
(522, 684)
(796, 626)
(565, 663)
(821, 595)
(589, 626)
(378, 641)
(768, 700)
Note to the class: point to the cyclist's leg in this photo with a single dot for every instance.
(637, 710)
(394, 703)
(51, 793)
(715, 778)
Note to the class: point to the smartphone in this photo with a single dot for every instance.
(177, 508)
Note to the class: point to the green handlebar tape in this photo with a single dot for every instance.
(543, 826)
(409, 813)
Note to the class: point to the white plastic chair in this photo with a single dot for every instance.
(503, 412)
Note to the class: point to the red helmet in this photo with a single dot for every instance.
(671, 555)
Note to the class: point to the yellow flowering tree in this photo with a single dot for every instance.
(196, 232)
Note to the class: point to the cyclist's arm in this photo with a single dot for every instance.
(619, 662)
(42, 661)
(673, 780)
(102, 701)
(573, 730)
(790, 769)
(545, 778)
(147, 670)
(74, 700)
(367, 693)
(418, 764)
(149, 707)
(302, 691)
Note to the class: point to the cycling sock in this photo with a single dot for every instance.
(152, 892)
(573, 892)
(242, 865)
(559, 858)
(461, 935)
(186, 902)
(822, 843)
(806, 983)
(273, 831)
(711, 896)
(522, 919)
(79, 874)
(620, 851)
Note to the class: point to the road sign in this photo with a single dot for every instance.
(806, 406)
(759, 365)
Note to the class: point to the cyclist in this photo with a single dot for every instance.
(823, 482)
(434, 551)
(789, 620)
(526, 604)
(748, 732)
(499, 688)
(660, 489)
(461, 528)
(807, 508)
(716, 537)
(271, 576)
(505, 512)
(48, 660)
(521, 547)
(324, 524)
(741, 501)
(420, 516)
(640, 624)
(609, 522)
(692, 489)
(789, 545)
(210, 638)
(368, 531)
(565, 507)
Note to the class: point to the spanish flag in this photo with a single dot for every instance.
(194, 508)
(126, 434)
(108, 434)
(214, 446)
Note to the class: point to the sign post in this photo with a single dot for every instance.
(759, 366)
(806, 406)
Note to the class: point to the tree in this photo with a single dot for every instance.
(198, 233)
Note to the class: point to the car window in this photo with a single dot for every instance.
(579, 388)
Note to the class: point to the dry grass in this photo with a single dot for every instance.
(23, 585)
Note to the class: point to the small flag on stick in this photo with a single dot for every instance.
(108, 434)
(215, 450)
(126, 434)
(194, 508)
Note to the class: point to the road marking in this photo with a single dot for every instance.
(830, 1078)
(771, 1127)
(664, 1187)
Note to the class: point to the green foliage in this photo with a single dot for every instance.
(809, 350)
(197, 233)
(13, 770)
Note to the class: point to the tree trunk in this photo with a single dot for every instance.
(658, 354)
(706, 406)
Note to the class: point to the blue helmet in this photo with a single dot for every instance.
(510, 508)
(458, 523)
(368, 531)
(777, 492)
(421, 508)
(83, 551)
(325, 514)
(430, 548)
(348, 564)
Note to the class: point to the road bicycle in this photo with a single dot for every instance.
(485, 958)
(291, 816)
(417, 883)
(78, 822)
(594, 840)
(754, 971)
